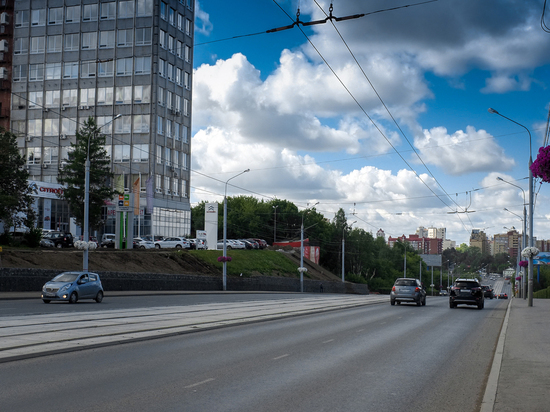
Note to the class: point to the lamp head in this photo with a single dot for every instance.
(500, 178)
(492, 111)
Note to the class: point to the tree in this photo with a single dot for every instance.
(15, 192)
(73, 175)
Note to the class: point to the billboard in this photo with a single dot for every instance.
(543, 258)
(432, 260)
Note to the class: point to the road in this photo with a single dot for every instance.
(372, 358)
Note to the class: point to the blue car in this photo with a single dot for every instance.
(72, 286)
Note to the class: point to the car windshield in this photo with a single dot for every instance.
(405, 282)
(467, 284)
(66, 277)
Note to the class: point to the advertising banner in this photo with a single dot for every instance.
(211, 225)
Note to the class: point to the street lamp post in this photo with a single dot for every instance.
(301, 269)
(225, 229)
(343, 248)
(524, 281)
(441, 275)
(530, 281)
(275, 224)
(87, 198)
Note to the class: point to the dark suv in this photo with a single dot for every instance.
(488, 292)
(60, 239)
(468, 292)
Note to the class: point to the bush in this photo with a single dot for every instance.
(5, 239)
(354, 278)
(542, 294)
(32, 237)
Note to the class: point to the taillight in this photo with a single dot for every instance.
(417, 289)
(393, 289)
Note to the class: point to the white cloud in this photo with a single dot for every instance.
(202, 20)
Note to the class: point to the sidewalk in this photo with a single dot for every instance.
(520, 378)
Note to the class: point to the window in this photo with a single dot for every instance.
(184, 188)
(21, 45)
(53, 71)
(162, 39)
(36, 72)
(184, 161)
(122, 153)
(56, 15)
(142, 94)
(186, 107)
(34, 127)
(187, 80)
(87, 97)
(35, 100)
(89, 12)
(89, 40)
(124, 67)
(175, 184)
(175, 158)
(168, 128)
(143, 36)
(167, 185)
(51, 127)
(69, 97)
(187, 53)
(126, 9)
(159, 154)
(54, 44)
(162, 68)
(125, 38)
(144, 8)
(189, 27)
(180, 22)
(140, 153)
(104, 95)
(184, 133)
(177, 131)
(51, 154)
(87, 69)
(71, 42)
(141, 123)
(124, 95)
(172, 16)
(143, 65)
(106, 69)
(158, 183)
(53, 98)
(178, 103)
(22, 18)
(170, 72)
(167, 156)
(70, 70)
(38, 17)
(105, 123)
(107, 39)
(72, 14)
(108, 11)
(34, 155)
(169, 99)
(38, 44)
(160, 124)
(123, 124)
(179, 76)
(68, 126)
(189, 5)
(163, 7)
(179, 49)
(161, 96)
(171, 44)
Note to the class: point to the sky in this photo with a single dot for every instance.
(384, 116)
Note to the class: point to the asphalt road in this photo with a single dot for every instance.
(379, 357)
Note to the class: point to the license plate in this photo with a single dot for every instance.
(49, 295)
(465, 291)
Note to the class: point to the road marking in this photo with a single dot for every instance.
(328, 341)
(199, 383)
(281, 357)
(360, 330)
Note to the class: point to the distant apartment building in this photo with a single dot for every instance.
(423, 245)
(68, 60)
(381, 234)
(478, 239)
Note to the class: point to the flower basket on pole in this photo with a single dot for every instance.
(541, 166)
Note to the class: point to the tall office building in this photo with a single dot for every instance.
(73, 59)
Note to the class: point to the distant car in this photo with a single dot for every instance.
(468, 292)
(261, 242)
(502, 296)
(58, 239)
(248, 244)
(488, 292)
(443, 292)
(228, 246)
(173, 242)
(197, 244)
(408, 290)
(108, 240)
(140, 243)
(72, 286)
(237, 244)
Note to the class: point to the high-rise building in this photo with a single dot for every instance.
(75, 59)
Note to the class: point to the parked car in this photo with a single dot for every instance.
(57, 239)
(173, 242)
(255, 243)
(108, 240)
(197, 244)
(261, 242)
(247, 243)
(72, 286)
(468, 292)
(237, 244)
(219, 245)
(408, 290)
(140, 243)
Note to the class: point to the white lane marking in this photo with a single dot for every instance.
(360, 330)
(328, 341)
(199, 383)
(281, 357)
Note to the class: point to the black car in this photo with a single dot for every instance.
(57, 239)
(488, 292)
(467, 292)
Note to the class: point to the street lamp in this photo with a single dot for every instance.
(530, 284)
(441, 275)
(87, 198)
(301, 269)
(343, 253)
(275, 224)
(225, 229)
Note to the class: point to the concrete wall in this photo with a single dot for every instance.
(24, 280)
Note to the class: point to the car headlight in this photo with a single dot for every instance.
(64, 288)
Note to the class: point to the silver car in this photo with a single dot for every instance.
(72, 286)
(408, 290)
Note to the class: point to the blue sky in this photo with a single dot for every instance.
(310, 133)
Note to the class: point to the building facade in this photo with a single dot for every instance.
(478, 239)
(423, 245)
(75, 59)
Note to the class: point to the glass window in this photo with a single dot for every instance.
(71, 42)
(162, 68)
(53, 98)
(22, 18)
(171, 44)
(186, 107)
(160, 125)
(36, 72)
(179, 76)
(70, 70)
(184, 188)
(167, 156)
(189, 27)
(180, 21)
(125, 38)
(87, 97)
(69, 97)
(162, 39)
(53, 71)
(35, 100)
(123, 124)
(38, 44)
(38, 17)
(187, 53)
(72, 14)
(167, 184)
(175, 184)
(160, 96)
(175, 158)
(56, 15)
(105, 123)
(89, 12)
(123, 95)
(126, 9)
(177, 131)
(178, 103)
(143, 36)
(144, 8)
(179, 49)
(108, 11)
(34, 155)
(159, 154)
(142, 94)
(105, 95)
(172, 16)
(143, 65)
(170, 72)
(184, 131)
(169, 99)
(124, 67)
(51, 127)
(168, 128)
(184, 161)
(68, 126)
(89, 40)
(34, 127)
(107, 39)
(187, 80)
(87, 69)
(21, 45)
(51, 154)
(140, 153)
(141, 123)
(106, 69)
(54, 43)
(122, 153)
(163, 7)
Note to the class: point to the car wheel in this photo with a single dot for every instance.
(59, 246)
(178, 246)
(452, 305)
(142, 247)
(73, 298)
(392, 302)
(157, 246)
(424, 301)
(99, 297)
(45, 301)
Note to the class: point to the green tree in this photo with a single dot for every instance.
(73, 174)
(15, 192)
